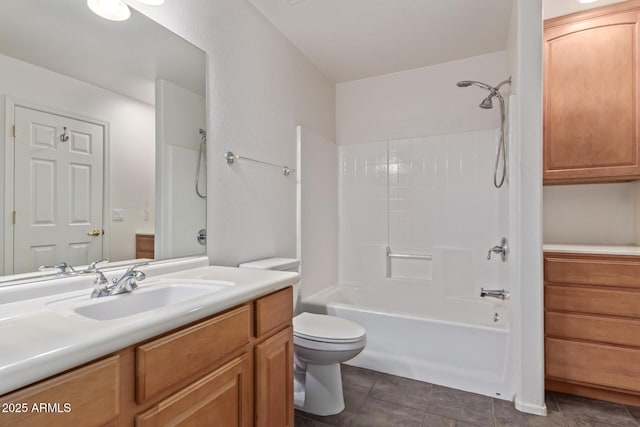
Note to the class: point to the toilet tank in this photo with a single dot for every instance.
(280, 264)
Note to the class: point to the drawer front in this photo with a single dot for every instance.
(171, 359)
(593, 328)
(601, 271)
(222, 398)
(273, 311)
(87, 396)
(595, 364)
(594, 301)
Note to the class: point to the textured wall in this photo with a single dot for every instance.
(259, 88)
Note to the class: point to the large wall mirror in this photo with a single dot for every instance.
(102, 141)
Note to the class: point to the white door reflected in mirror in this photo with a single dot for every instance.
(58, 181)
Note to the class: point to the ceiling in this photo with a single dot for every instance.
(354, 39)
(125, 57)
(553, 8)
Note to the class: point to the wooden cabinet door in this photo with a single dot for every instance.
(274, 381)
(591, 93)
(87, 396)
(222, 398)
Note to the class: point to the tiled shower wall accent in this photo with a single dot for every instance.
(430, 195)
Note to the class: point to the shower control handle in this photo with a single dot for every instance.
(502, 249)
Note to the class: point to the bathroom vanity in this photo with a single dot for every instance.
(592, 321)
(233, 365)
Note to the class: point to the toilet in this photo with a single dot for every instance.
(320, 343)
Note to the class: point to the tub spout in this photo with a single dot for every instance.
(494, 293)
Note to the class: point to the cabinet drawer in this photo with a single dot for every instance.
(222, 398)
(274, 310)
(594, 301)
(594, 364)
(92, 395)
(593, 328)
(171, 359)
(601, 271)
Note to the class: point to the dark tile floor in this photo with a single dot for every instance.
(374, 399)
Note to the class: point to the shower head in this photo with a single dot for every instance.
(467, 83)
(487, 103)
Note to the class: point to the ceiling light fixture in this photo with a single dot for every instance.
(587, 1)
(114, 10)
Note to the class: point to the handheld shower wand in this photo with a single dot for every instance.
(487, 103)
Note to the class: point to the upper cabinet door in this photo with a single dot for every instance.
(591, 95)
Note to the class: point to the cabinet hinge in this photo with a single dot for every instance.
(14, 218)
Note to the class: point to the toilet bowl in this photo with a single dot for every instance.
(320, 343)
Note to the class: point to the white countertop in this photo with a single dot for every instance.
(593, 249)
(38, 341)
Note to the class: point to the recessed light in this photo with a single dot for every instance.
(114, 10)
(587, 1)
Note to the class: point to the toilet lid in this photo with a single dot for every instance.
(321, 327)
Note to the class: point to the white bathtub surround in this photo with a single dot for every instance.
(180, 114)
(432, 198)
(417, 196)
(41, 337)
(462, 343)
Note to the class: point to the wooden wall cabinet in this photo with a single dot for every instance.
(591, 96)
(592, 326)
(234, 369)
(145, 246)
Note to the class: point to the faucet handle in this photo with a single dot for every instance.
(62, 267)
(134, 266)
(502, 249)
(94, 264)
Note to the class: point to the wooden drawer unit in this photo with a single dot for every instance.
(601, 329)
(612, 302)
(274, 311)
(592, 325)
(595, 364)
(617, 271)
(145, 246)
(222, 398)
(166, 361)
(88, 396)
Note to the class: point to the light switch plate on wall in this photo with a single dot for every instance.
(117, 215)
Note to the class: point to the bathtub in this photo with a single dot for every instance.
(461, 343)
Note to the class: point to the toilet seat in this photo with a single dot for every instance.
(327, 329)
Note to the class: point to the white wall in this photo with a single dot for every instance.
(318, 192)
(589, 213)
(259, 88)
(132, 140)
(180, 114)
(525, 206)
(419, 102)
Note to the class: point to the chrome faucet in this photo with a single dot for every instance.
(502, 249)
(61, 267)
(128, 282)
(494, 293)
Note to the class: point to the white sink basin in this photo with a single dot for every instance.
(139, 301)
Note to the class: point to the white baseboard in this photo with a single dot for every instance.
(530, 409)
